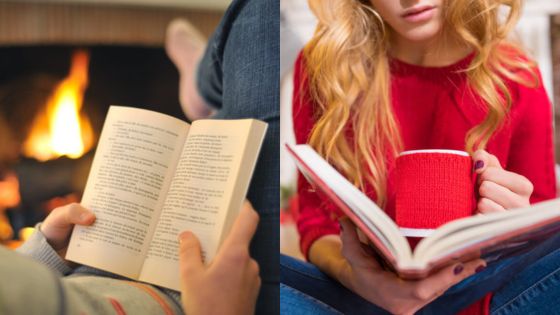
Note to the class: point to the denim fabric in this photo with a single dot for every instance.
(294, 302)
(309, 281)
(525, 284)
(239, 76)
(536, 290)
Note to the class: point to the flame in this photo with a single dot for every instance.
(61, 129)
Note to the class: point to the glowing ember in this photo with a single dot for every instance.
(61, 129)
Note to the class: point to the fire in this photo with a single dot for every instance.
(62, 130)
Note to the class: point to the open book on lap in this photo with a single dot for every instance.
(491, 236)
(154, 176)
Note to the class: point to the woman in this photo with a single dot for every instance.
(383, 76)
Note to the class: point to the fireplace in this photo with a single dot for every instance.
(61, 66)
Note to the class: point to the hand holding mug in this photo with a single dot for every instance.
(499, 189)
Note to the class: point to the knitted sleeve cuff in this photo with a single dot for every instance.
(37, 248)
(311, 236)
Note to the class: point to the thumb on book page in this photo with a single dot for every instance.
(244, 226)
(190, 255)
(352, 247)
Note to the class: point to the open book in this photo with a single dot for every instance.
(491, 236)
(154, 176)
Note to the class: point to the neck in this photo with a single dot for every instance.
(440, 51)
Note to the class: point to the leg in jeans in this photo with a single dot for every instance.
(314, 285)
(536, 290)
(294, 302)
(239, 76)
(523, 284)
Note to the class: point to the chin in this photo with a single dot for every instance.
(421, 33)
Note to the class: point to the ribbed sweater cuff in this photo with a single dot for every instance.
(37, 248)
(312, 235)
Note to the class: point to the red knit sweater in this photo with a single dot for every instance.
(435, 109)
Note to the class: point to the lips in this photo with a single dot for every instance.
(417, 10)
(419, 14)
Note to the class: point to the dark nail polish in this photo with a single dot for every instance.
(458, 269)
(479, 268)
(478, 164)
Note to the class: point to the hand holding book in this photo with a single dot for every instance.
(230, 284)
(233, 270)
(58, 225)
(366, 277)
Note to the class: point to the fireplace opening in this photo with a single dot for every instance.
(53, 100)
(60, 128)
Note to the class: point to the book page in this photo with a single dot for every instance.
(371, 220)
(210, 184)
(462, 233)
(135, 158)
(492, 237)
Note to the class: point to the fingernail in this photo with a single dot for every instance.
(478, 164)
(85, 216)
(458, 269)
(479, 268)
(182, 236)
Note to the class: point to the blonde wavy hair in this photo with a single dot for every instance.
(348, 76)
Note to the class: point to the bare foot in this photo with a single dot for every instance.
(185, 45)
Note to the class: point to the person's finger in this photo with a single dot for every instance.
(349, 236)
(254, 272)
(501, 195)
(486, 205)
(244, 226)
(190, 254)
(517, 183)
(76, 214)
(436, 284)
(483, 160)
(353, 248)
(469, 269)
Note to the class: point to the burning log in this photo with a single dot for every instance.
(42, 181)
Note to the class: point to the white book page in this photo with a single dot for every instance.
(459, 234)
(199, 197)
(130, 174)
(369, 213)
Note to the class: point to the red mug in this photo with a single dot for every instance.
(433, 187)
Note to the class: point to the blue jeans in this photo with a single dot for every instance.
(239, 75)
(525, 284)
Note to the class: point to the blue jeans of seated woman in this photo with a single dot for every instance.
(525, 284)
